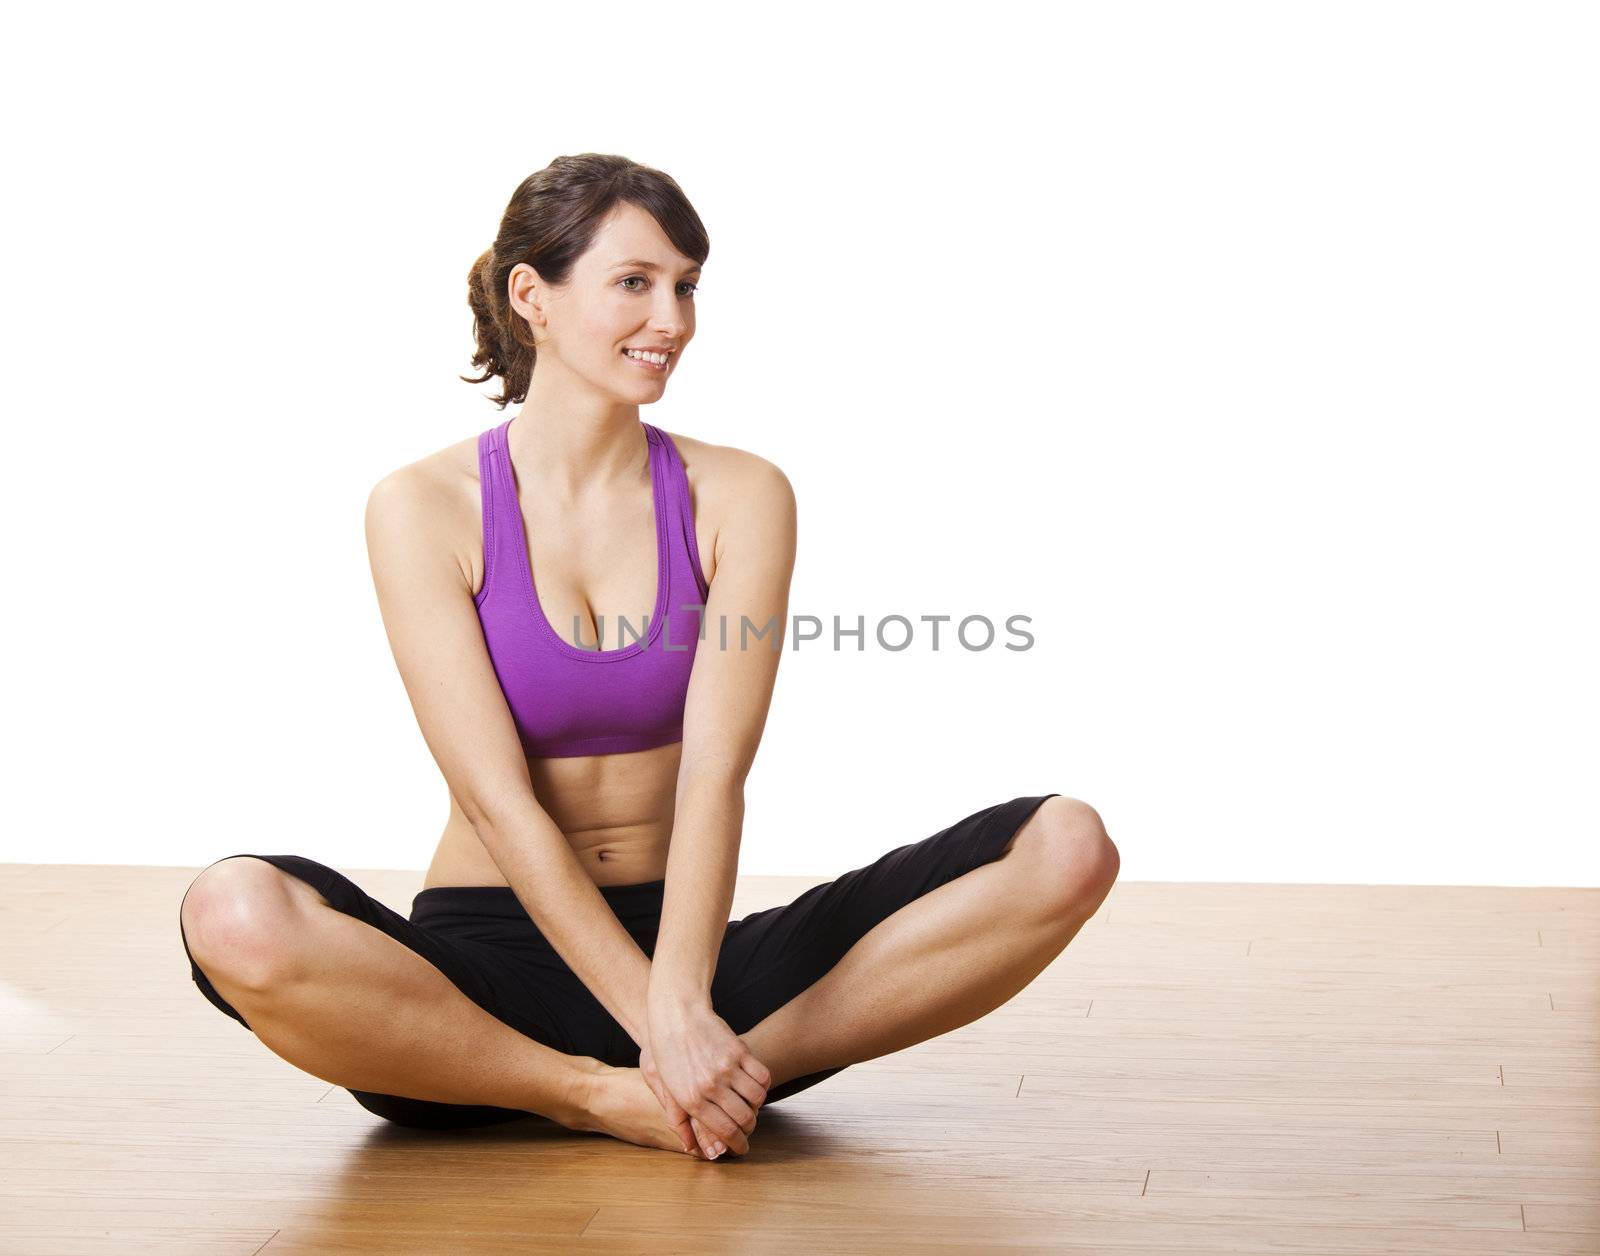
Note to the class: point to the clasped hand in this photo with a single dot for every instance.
(707, 1081)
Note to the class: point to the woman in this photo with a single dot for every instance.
(570, 954)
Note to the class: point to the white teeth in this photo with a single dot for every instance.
(660, 359)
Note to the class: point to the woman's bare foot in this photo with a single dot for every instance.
(619, 1102)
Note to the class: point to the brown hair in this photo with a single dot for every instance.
(549, 224)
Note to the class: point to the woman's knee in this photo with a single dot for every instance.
(1079, 860)
(240, 919)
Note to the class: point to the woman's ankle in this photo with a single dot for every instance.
(585, 1093)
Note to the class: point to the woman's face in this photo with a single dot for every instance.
(631, 289)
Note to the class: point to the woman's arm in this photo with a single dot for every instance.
(426, 601)
(730, 692)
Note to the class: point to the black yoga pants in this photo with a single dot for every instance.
(482, 939)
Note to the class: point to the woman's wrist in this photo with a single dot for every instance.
(669, 995)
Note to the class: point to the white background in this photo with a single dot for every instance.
(1250, 349)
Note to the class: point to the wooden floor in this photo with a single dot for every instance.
(1208, 1068)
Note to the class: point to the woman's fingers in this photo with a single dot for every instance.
(726, 1116)
(714, 1124)
(730, 1136)
(749, 1089)
(756, 1069)
(707, 1139)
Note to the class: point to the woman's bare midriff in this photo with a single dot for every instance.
(616, 811)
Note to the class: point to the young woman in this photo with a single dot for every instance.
(543, 590)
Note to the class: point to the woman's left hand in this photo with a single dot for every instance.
(706, 1078)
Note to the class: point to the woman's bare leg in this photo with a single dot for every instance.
(353, 1006)
(951, 956)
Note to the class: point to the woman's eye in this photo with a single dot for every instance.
(693, 287)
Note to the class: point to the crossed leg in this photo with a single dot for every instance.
(359, 1009)
(349, 1004)
(952, 955)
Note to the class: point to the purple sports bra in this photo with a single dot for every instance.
(567, 700)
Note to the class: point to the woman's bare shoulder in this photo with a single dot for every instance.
(723, 470)
(442, 487)
(728, 484)
(444, 482)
